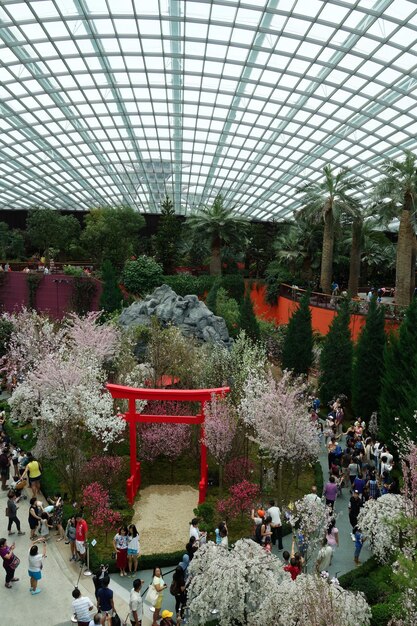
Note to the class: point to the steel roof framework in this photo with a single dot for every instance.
(104, 102)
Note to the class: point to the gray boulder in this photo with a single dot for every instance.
(192, 316)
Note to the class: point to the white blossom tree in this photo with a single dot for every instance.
(220, 422)
(232, 585)
(248, 586)
(309, 520)
(315, 601)
(377, 521)
(277, 414)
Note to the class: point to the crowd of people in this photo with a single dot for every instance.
(357, 462)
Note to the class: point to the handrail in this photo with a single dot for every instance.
(326, 301)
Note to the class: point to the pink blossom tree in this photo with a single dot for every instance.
(238, 469)
(167, 440)
(96, 500)
(87, 335)
(276, 413)
(220, 422)
(106, 470)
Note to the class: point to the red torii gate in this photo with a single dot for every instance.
(132, 418)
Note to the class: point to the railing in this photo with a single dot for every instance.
(325, 301)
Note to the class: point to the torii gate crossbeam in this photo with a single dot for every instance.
(131, 394)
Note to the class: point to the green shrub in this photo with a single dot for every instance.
(346, 580)
(187, 284)
(228, 309)
(275, 275)
(368, 587)
(212, 295)
(73, 270)
(111, 296)
(205, 512)
(83, 291)
(384, 612)
(235, 286)
(273, 337)
(248, 319)
(140, 277)
(102, 554)
(6, 329)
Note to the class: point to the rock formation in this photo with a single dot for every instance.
(189, 314)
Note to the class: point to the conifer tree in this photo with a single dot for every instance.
(368, 363)
(398, 392)
(297, 353)
(167, 237)
(111, 296)
(336, 357)
(248, 321)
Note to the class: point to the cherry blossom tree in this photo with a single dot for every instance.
(378, 520)
(276, 412)
(85, 334)
(167, 440)
(238, 469)
(232, 586)
(220, 422)
(248, 586)
(34, 337)
(317, 601)
(309, 520)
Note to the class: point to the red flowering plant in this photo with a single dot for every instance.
(96, 501)
(241, 500)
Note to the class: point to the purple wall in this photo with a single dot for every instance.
(53, 295)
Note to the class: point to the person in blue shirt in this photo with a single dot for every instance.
(359, 541)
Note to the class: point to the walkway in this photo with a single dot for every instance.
(52, 607)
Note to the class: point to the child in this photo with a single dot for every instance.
(45, 525)
(267, 544)
(359, 540)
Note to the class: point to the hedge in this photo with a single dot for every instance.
(187, 284)
(147, 561)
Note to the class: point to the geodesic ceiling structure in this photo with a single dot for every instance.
(106, 102)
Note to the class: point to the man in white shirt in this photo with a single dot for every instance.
(312, 496)
(136, 603)
(276, 525)
(81, 605)
(324, 558)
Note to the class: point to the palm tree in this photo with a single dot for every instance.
(367, 245)
(298, 246)
(397, 193)
(327, 200)
(220, 226)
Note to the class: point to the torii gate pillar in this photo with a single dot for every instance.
(131, 394)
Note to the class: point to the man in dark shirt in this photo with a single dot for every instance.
(105, 601)
(355, 504)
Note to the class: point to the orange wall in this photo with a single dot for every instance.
(321, 319)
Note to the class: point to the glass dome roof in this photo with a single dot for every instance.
(106, 102)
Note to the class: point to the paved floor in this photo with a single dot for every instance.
(52, 607)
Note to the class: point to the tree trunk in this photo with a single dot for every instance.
(355, 257)
(413, 266)
(220, 480)
(280, 483)
(327, 251)
(215, 260)
(404, 257)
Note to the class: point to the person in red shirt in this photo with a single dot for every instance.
(293, 568)
(81, 533)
